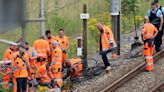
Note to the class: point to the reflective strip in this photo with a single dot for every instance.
(4, 82)
(105, 49)
(148, 57)
(149, 35)
(42, 55)
(42, 49)
(58, 62)
(149, 64)
(20, 68)
(58, 79)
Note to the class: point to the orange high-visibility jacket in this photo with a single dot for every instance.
(78, 64)
(20, 66)
(7, 76)
(42, 73)
(8, 54)
(106, 38)
(63, 42)
(42, 47)
(31, 52)
(148, 31)
(57, 56)
(50, 41)
(57, 71)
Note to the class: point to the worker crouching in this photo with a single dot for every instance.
(75, 68)
(43, 78)
(149, 32)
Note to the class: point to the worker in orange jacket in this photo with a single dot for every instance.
(21, 66)
(32, 55)
(106, 43)
(9, 55)
(6, 72)
(50, 39)
(56, 64)
(64, 43)
(9, 52)
(43, 51)
(148, 34)
(75, 68)
(43, 78)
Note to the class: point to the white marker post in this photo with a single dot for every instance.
(79, 46)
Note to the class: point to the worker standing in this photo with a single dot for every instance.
(156, 18)
(50, 39)
(43, 51)
(148, 34)
(64, 43)
(21, 67)
(106, 43)
(75, 68)
(162, 10)
(9, 52)
(32, 54)
(56, 64)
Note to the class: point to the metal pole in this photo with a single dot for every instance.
(115, 13)
(118, 36)
(85, 39)
(23, 40)
(42, 18)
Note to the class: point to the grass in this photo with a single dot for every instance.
(63, 13)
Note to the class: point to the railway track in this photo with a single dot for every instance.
(158, 88)
(131, 74)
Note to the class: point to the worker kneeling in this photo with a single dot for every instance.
(149, 32)
(43, 78)
(75, 68)
(57, 75)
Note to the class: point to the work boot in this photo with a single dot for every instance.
(108, 68)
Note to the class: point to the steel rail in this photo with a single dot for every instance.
(158, 88)
(131, 74)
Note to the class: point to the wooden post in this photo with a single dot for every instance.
(85, 39)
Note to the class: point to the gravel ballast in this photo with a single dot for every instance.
(145, 80)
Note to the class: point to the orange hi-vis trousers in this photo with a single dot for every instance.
(148, 55)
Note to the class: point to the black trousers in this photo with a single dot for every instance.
(158, 39)
(104, 57)
(21, 84)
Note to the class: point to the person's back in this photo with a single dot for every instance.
(42, 48)
(149, 31)
(78, 64)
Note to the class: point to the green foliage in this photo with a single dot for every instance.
(129, 6)
(55, 22)
(2, 89)
(72, 49)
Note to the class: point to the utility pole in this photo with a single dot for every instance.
(84, 16)
(115, 13)
(23, 26)
(42, 29)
